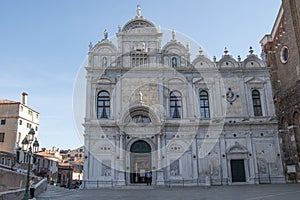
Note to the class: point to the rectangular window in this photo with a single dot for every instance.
(2, 137)
(3, 121)
(103, 105)
(30, 112)
(8, 162)
(36, 128)
(20, 122)
(175, 105)
(2, 161)
(257, 109)
(28, 125)
(139, 59)
(204, 104)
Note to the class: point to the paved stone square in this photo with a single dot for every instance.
(244, 192)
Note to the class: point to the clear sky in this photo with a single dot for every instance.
(43, 44)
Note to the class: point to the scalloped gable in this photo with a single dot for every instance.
(228, 62)
(203, 62)
(104, 47)
(175, 48)
(137, 23)
(253, 61)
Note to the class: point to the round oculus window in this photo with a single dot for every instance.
(284, 54)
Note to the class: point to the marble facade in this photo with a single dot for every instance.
(145, 112)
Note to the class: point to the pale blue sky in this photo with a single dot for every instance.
(44, 42)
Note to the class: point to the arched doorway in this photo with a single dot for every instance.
(140, 161)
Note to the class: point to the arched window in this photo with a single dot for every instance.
(256, 103)
(175, 105)
(103, 105)
(204, 104)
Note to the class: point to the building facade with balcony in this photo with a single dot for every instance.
(151, 108)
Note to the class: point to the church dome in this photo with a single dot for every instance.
(137, 22)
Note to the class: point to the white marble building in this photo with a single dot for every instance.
(151, 108)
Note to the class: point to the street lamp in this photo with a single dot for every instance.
(26, 146)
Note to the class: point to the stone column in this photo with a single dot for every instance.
(251, 161)
(121, 146)
(223, 163)
(278, 158)
(88, 112)
(158, 150)
(194, 159)
(121, 165)
(160, 171)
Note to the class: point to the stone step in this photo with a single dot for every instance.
(55, 191)
(134, 187)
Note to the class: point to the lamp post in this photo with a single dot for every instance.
(69, 179)
(26, 146)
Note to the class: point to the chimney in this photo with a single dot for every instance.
(24, 98)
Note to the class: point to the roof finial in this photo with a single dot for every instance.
(251, 50)
(226, 51)
(139, 11)
(200, 51)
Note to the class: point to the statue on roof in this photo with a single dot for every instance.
(90, 46)
(173, 35)
(188, 46)
(105, 33)
(139, 11)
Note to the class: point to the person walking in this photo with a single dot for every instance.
(149, 178)
(31, 187)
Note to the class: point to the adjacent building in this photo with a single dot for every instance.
(281, 50)
(17, 118)
(62, 167)
(150, 107)
(46, 164)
